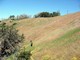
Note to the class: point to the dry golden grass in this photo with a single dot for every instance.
(44, 32)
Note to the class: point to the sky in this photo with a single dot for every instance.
(32, 7)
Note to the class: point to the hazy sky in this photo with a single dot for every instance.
(32, 7)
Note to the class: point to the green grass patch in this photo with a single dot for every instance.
(67, 38)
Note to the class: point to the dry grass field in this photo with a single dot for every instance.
(55, 38)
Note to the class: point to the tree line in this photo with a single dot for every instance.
(41, 14)
(47, 14)
(19, 17)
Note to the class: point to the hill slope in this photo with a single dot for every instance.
(56, 38)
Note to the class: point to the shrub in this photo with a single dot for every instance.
(24, 55)
(9, 39)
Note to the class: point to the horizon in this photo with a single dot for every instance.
(18, 7)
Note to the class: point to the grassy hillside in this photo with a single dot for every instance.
(56, 38)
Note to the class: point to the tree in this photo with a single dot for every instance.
(51, 14)
(23, 16)
(55, 14)
(12, 17)
(47, 14)
(43, 14)
(9, 39)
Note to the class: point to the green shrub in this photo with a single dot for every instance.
(24, 55)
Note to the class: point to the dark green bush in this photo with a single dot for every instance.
(24, 55)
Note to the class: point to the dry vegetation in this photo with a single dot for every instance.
(56, 38)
